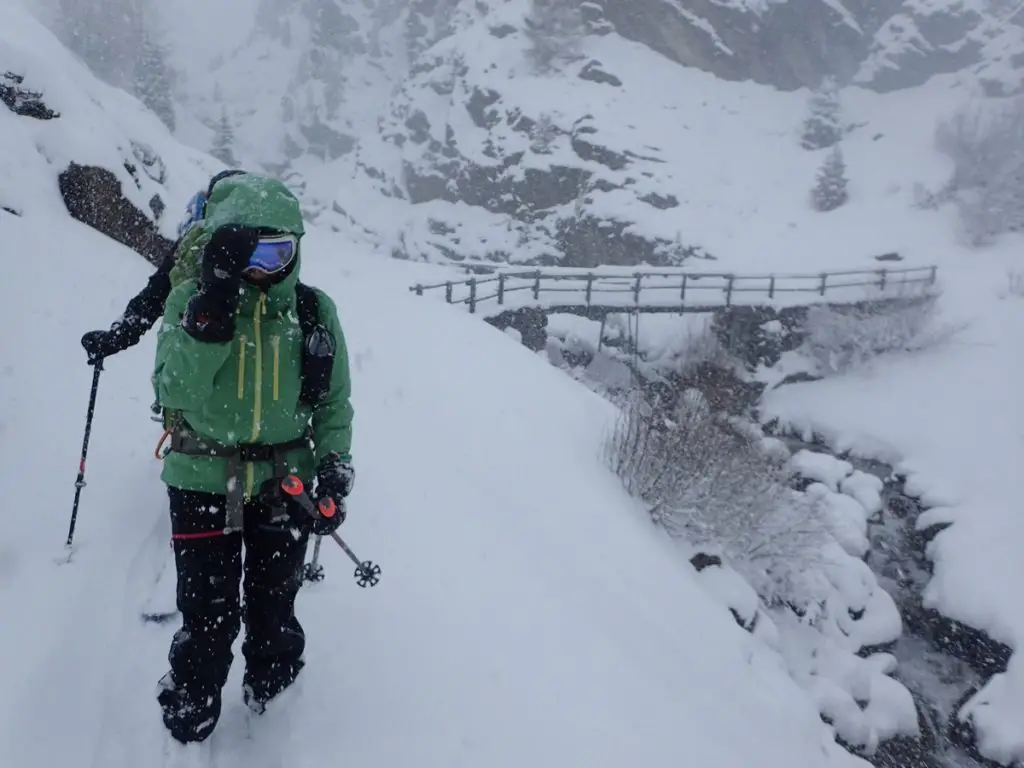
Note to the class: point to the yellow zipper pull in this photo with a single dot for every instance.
(275, 342)
(241, 367)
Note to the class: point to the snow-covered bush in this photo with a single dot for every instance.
(830, 192)
(839, 339)
(987, 183)
(696, 345)
(716, 486)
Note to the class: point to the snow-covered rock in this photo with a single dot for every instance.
(72, 142)
(821, 467)
(865, 488)
(845, 517)
(992, 715)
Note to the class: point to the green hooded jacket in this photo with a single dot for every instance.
(247, 390)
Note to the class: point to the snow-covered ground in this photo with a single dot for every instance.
(951, 418)
(527, 611)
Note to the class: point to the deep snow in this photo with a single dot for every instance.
(527, 611)
(951, 420)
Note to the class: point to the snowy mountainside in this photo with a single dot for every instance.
(82, 121)
(292, 94)
(882, 44)
(481, 158)
(430, 133)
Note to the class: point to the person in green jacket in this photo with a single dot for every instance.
(249, 399)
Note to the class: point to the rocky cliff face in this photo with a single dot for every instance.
(881, 44)
(549, 131)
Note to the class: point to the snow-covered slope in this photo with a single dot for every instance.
(94, 125)
(481, 158)
(527, 612)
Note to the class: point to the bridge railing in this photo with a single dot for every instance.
(613, 288)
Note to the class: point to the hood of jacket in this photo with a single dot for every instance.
(258, 201)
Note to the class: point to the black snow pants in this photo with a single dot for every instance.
(209, 569)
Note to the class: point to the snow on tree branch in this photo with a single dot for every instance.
(703, 480)
(831, 192)
(840, 339)
(823, 126)
(987, 183)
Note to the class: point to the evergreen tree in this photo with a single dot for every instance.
(830, 192)
(556, 30)
(153, 79)
(224, 140)
(311, 109)
(105, 35)
(823, 126)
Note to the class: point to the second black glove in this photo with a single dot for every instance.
(210, 315)
(98, 345)
(334, 482)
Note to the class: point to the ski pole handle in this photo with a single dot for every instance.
(294, 487)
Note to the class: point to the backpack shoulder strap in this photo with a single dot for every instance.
(308, 307)
(318, 347)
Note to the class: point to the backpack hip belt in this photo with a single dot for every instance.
(184, 441)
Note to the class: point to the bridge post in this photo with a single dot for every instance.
(771, 288)
(824, 278)
(501, 288)
(636, 289)
(448, 291)
(472, 295)
(536, 285)
(682, 290)
(590, 285)
(932, 276)
(728, 291)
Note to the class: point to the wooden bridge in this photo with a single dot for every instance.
(597, 293)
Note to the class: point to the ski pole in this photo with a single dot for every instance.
(313, 570)
(80, 480)
(367, 573)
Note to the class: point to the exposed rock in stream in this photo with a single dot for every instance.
(942, 662)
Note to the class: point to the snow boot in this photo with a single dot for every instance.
(258, 691)
(190, 716)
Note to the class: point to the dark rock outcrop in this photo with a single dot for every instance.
(94, 196)
(23, 101)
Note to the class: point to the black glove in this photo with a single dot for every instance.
(210, 315)
(98, 345)
(334, 483)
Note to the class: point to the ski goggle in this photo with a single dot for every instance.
(272, 254)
